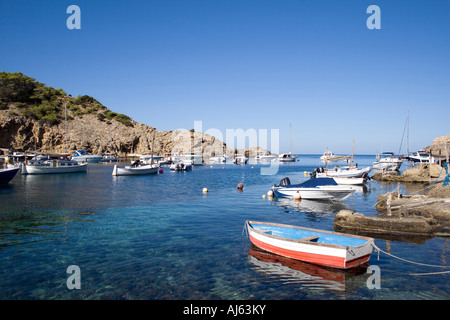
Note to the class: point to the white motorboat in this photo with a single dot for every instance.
(353, 181)
(82, 156)
(343, 172)
(315, 188)
(388, 162)
(195, 159)
(136, 168)
(265, 157)
(218, 159)
(52, 166)
(287, 157)
(330, 156)
(240, 160)
(151, 159)
(181, 166)
(422, 157)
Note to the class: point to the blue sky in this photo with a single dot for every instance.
(248, 64)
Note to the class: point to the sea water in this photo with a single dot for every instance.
(159, 237)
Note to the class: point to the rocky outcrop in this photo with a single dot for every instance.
(411, 216)
(440, 146)
(96, 136)
(425, 172)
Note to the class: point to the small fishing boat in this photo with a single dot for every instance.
(330, 156)
(321, 247)
(287, 157)
(315, 188)
(388, 162)
(136, 168)
(343, 172)
(82, 156)
(181, 166)
(218, 159)
(265, 157)
(42, 165)
(240, 160)
(8, 173)
(109, 157)
(193, 158)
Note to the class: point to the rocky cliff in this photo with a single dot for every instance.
(440, 146)
(33, 118)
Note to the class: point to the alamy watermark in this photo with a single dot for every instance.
(74, 280)
(234, 142)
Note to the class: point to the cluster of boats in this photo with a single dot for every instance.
(321, 247)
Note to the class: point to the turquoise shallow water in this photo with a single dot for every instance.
(159, 237)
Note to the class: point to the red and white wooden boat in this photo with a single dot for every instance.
(326, 248)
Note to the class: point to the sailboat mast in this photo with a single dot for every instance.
(290, 138)
(407, 137)
(353, 150)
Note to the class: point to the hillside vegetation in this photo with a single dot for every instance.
(24, 96)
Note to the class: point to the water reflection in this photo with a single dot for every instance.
(314, 206)
(290, 271)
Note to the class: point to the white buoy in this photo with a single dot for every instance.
(263, 196)
(270, 193)
(205, 190)
(297, 196)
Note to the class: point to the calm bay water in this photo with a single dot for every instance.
(159, 237)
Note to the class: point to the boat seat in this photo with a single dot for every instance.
(309, 238)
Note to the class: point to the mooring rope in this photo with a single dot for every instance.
(413, 262)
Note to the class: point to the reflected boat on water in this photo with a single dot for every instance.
(293, 271)
(304, 205)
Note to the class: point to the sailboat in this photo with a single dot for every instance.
(288, 157)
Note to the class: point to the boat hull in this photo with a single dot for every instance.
(317, 193)
(43, 169)
(325, 254)
(389, 166)
(88, 159)
(132, 171)
(6, 175)
(345, 173)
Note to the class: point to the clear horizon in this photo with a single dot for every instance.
(248, 65)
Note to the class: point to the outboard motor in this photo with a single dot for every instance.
(285, 182)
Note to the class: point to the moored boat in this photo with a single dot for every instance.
(240, 160)
(315, 188)
(388, 162)
(82, 156)
(135, 169)
(343, 172)
(330, 156)
(181, 166)
(8, 173)
(287, 157)
(52, 166)
(321, 247)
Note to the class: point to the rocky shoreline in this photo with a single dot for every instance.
(406, 217)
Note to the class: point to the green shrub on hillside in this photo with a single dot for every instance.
(33, 99)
